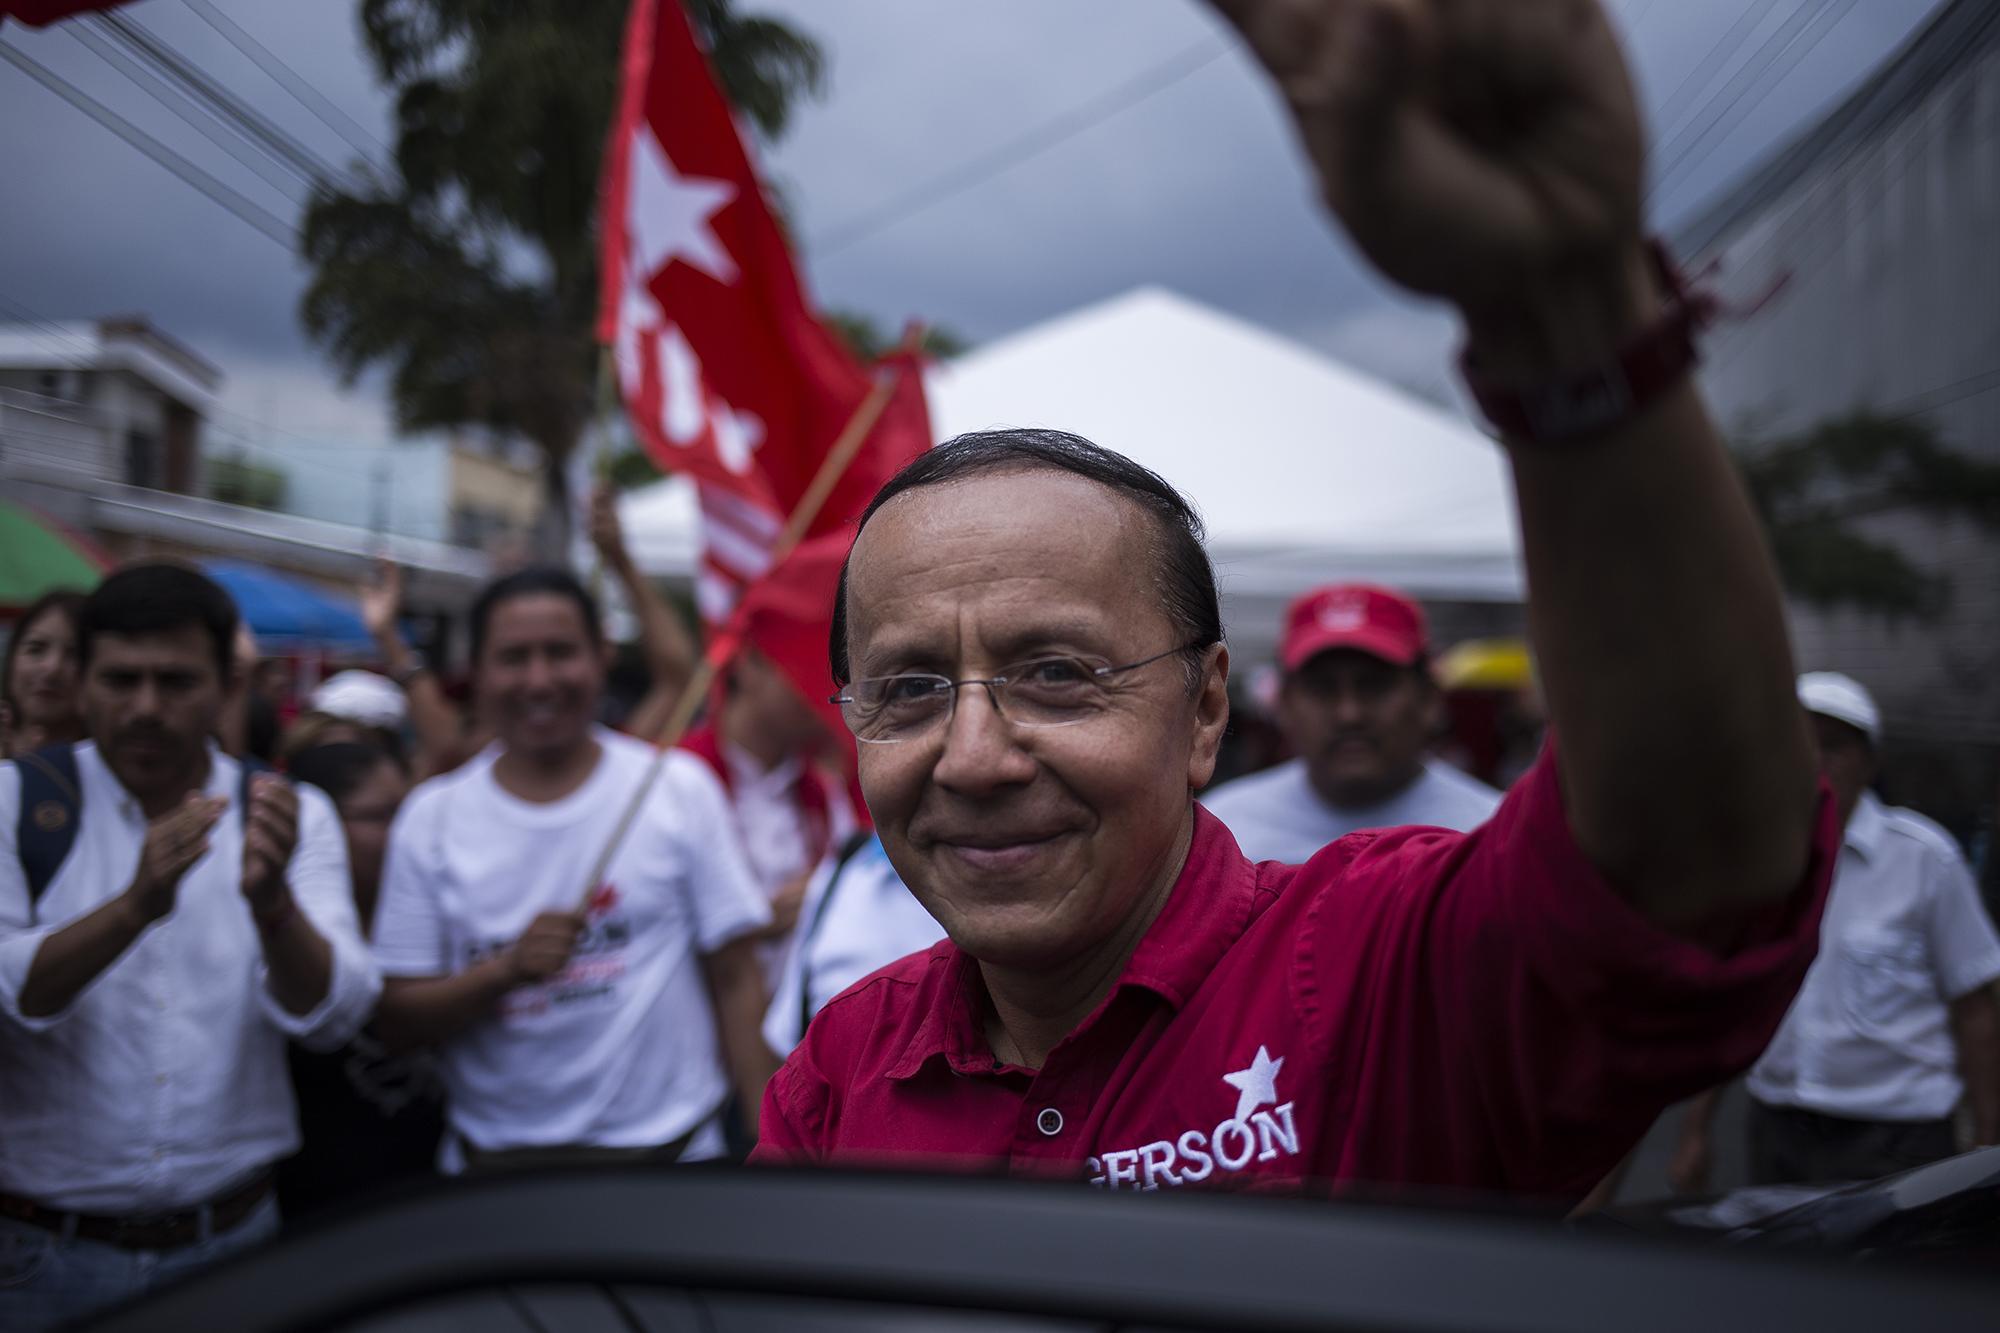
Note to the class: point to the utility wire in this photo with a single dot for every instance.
(1816, 212)
(1820, 19)
(1057, 130)
(312, 168)
(244, 208)
(48, 331)
(208, 125)
(302, 91)
(1696, 80)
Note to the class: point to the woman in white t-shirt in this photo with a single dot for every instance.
(625, 1025)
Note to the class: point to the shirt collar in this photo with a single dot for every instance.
(1206, 911)
(1865, 826)
(221, 780)
(746, 771)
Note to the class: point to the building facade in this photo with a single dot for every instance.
(1861, 267)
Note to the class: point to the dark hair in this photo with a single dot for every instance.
(337, 769)
(154, 598)
(528, 583)
(1185, 577)
(66, 602)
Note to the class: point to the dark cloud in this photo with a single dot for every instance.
(1199, 187)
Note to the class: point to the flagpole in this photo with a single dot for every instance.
(845, 447)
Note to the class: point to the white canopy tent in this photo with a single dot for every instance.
(1304, 470)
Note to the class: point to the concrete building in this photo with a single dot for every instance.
(1870, 242)
(115, 401)
(103, 426)
(481, 496)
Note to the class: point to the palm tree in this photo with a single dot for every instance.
(468, 269)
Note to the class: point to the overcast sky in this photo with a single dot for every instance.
(1197, 187)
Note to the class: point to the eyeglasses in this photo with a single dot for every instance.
(1058, 690)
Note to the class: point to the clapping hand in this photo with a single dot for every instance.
(270, 832)
(174, 842)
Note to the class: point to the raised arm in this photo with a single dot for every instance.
(664, 641)
(435, 718)
(1489, 152)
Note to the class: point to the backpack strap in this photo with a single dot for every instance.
(855, 844)
(50, 809)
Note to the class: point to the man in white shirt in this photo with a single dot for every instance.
(1360, 707)
(618, 1026)
(1896, 1021)
(148, 987)
(858, 918)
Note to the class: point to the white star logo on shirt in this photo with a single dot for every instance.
(1256, 1085)
(669, 216)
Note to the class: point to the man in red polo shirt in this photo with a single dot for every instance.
(1031, 656)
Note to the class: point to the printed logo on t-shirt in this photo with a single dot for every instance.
(1250, 1134)
(594, 970)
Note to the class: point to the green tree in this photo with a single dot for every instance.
(468, 268)
(1813, 490)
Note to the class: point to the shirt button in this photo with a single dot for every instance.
(1049, 1121)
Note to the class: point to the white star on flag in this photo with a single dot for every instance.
(737, 435)
(1256, 1085)
(668, 216)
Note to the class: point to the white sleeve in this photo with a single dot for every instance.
(324, 892)
(1962, 939)
(722, 893)
(20, 936)
(782, 1030)
(409, 938)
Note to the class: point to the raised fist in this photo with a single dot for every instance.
(1476, 150)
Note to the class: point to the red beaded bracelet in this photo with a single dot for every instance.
(1589, 401)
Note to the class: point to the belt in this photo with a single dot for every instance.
(478, 1159)
(159, 1231)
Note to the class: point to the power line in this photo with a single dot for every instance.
(1821, 19)
(289, 79)
(1057, 130)
(48, 330)
(1696, 80)
(245, 209)
(1639, 12)
(1831, 192)
(209, 128)
(311, 168)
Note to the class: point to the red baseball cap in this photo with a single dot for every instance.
(1363, 616)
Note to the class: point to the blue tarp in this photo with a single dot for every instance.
(288, 613)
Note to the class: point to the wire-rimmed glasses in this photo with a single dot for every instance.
(1052, 690)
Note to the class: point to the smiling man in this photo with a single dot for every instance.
(617, 1027)
(1031, 657)
(1359, 705)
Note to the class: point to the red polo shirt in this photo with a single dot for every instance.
(1411, 1007)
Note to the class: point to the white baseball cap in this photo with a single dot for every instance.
(361, 696)
(1843, 699)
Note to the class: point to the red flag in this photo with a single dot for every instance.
(727, 373)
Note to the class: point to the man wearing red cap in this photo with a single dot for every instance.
(1359, 707)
